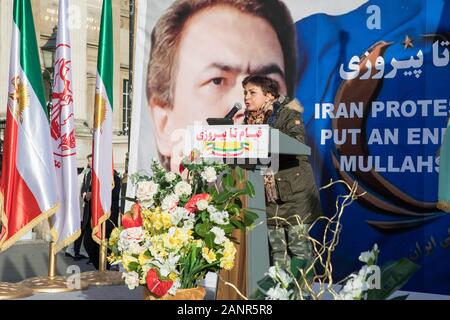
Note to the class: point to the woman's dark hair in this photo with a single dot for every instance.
(266, 84)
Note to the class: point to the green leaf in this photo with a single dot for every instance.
(266, 283)
(258, 295)
(228, 180)
(193, 256)
(201, 229)
(209, 239)
(238, 224)
(204, 216)
(228, 228)
(296, 265)
(249, 217)
(394, 275)
(250, 189)
(237, 193)
(133, 266)
(223, 197)
(240, 173)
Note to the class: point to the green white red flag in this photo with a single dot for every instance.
(102, 155)
(28, 193)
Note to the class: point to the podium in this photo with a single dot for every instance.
(257, 239)
(257, 243)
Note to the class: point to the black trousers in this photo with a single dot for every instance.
(84, 224)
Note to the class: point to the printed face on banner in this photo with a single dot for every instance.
(218, 48)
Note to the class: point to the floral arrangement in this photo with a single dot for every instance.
(370, 283)
(312, 277)
(373, 282)
(181, 228)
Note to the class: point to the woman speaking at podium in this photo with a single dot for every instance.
(292, 198)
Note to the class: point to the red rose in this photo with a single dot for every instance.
(133, 218)
(156, 286)
(191, 205)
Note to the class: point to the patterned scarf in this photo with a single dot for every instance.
(261, 116)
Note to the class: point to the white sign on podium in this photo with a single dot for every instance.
(231, 141)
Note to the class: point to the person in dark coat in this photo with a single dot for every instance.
(92, 248)
(86, 207)
(292, 198)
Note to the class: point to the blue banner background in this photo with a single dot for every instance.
(325, 42)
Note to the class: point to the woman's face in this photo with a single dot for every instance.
(255, 98)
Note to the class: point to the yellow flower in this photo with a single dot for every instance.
(173, 276)
(143, 258)
(111, 258)
(126, 260)
(227, 264)
(157, 225)
(114, 237)
(199, 243)
(146, 213)
(209, 255)
(166, 220)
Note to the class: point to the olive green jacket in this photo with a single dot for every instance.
(296, 188)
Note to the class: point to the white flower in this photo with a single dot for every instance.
(278, 293)
(178, 214)
(175, 286)
(219, 235)
(183, 188)
(131, 279)
(146, 190)
(170, 176)
(135, 248)
(130, 236)
(212, 209)
(279, 275)
(169, 202)
(209, 174)
(167, 266)
(354, 288)
(189, 222)
(202, 205)
(368, 271)
(219, 217)
(369, 257)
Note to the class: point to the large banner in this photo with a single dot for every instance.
(373, 80)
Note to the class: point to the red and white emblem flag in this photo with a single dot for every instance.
(66, 222)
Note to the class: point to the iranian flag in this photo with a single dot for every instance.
(102, 156)
(66, 222)
(28, 183)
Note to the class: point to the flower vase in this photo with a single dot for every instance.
(182, 294)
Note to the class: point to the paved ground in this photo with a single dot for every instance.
(30, 259)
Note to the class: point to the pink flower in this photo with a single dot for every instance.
(191, 205)
(133, 218)
(156, 286)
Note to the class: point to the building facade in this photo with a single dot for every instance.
(85, 28)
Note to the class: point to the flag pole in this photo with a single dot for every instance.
(51, 260)
(54, 283)
(103, 249)
(102, 277)
(102, 148)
